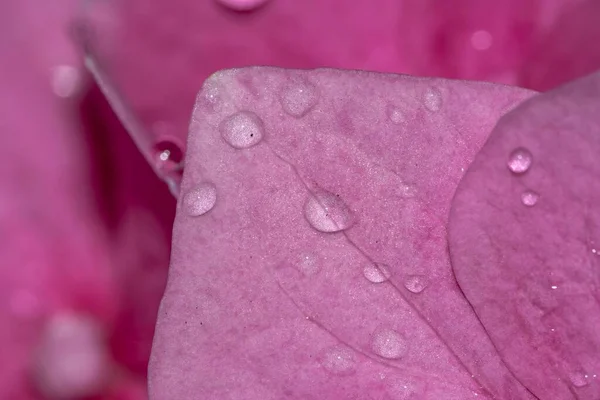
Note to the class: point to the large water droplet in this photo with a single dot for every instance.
(432, 99)
(309, 264)
(200, 200)
(326, 212)
(388, 343)
(520, 160)
(299, 98)
(242, 130)
(529, 198)
(377, 273)
(579, 379)
(415, 283)
(339, 360)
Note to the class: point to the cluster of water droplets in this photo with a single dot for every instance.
(519, 162)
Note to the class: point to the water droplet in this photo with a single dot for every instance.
(579, 379)
(326, 212)
(339, 360)
(72, 360)
(242, 130)
(433, 99)
(200, 200)
(388, 343)
(415, 283)
(396, 115)
(298, 99)
(377, 273)
(520, 160)
(309, 264)
(529, 198)
(481, 40)
(169, 163)
(243, 5)
(65, 81)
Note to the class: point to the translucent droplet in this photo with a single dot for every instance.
(243, 5)
(529, 198)
(200, 200)
(242, 130)
(433, 99)
(377, 273)
(481, 40)
(65, 80)
(339, 360)
(415, 283)
(396, 115)
(298, 99)
(326, 212)
(388, 343)
(309, 264)
(579, 379)
(72, 360)
(520, 160)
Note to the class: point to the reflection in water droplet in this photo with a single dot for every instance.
(298, 99)
(309, 264)
(529, 198)
(242, 130)
(243, 5)
(579, 379)
(377, 273)
(326, 212)
(339, 360)
(415, 283)
(520, 160)
(200, 200)
(388, 343)
(433, 99)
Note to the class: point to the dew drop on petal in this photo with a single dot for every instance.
(388, 343)
(432, 99)
(579, 379)
(298, 99)
(339, 360)
(309, 264)
(415, 283)
(242, 130)
(200, 200)
(377, 273)
(529, 198)
(519, 160)
(72, 360)
(326, 212)
(396, 115)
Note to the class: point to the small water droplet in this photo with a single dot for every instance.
(65, 81)
(579, 379)
(200, 200)
(339, 360)
(519, 160)
(326, 212)
(415, 283)
(299, 98)
(242, 130)
(396, 115)
(243, 5)
(309, 264)
(388, 343)
(529, 198)
(433, 99)
(377, 273)
(481, 40)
